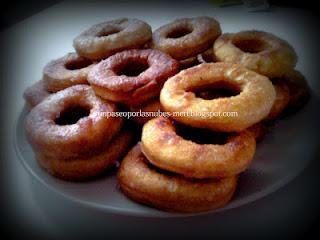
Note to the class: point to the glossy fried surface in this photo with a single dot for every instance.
(252, 104)
(165, 149)
(186, 37)
(106, 38)
(171, 192)
(260, 51)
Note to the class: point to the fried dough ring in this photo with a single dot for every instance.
(257, 50)
(110, 79)
(167, 150)
(66, 71)
(106, 38)
(152, 106)
(253, 104)
(282, 99)
(147, 185)
(83, 168)
(54, 139)
(35, 94)
(186, 37)
(299, 90)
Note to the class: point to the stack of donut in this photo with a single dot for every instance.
(182, 163)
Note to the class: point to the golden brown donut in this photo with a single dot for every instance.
(252, 104)
(186, 37)
(167, 150)
(66, 71)
(71, 123)
(153, 106)
(299, 90)
(282, 99)
(146, 184)
(85, 167)
(132, 77)
(257, 50)
(34, 94)
(106, 38)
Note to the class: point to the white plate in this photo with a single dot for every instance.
(281, 156)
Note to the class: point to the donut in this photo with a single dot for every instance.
(71, 123)
(106, 38)
(164, 147)
(148, 185)
(150, 107)
(186, 37)
(83, 168)
(257, 50)
(282, 99)
(66, 71)
(34, 94)
(132, 77)
(299, 90)
(254, 99)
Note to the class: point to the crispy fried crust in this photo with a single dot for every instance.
(253, 104)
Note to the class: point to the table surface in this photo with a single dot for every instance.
(30, 44)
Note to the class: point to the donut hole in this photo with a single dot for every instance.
(132, 67)
(201, 136)
(179, 32)
(108, 31)
(77, 63)
(218, 90)
(72, 115)
(252, 45)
